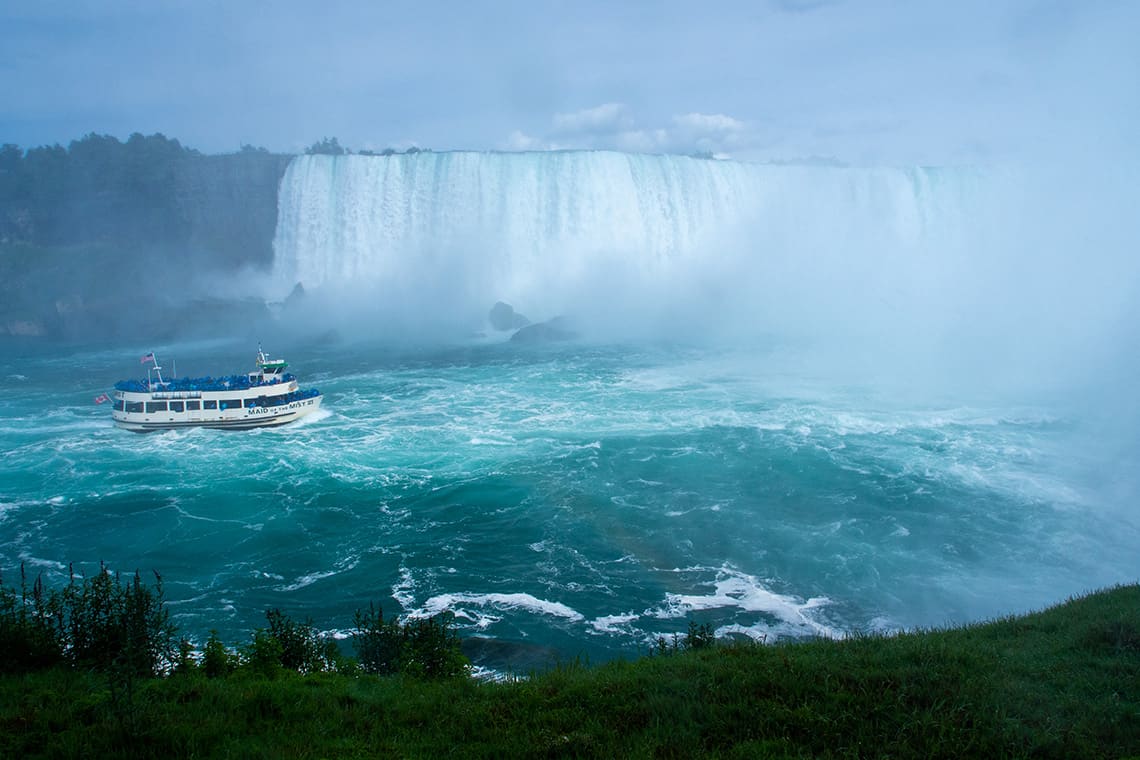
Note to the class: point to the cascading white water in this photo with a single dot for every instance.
(547, 231)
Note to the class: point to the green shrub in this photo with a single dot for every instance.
(290, 645)
(431, 649)
(111, 625)
(263, 654)
(378, 642)
(29, 629)
(700, 636)
(216, 659)
(424, 648)
(99, 623)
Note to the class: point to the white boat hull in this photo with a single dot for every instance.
(230, 419)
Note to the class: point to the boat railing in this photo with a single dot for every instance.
(229, 383)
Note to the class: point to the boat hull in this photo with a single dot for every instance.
(230, 419)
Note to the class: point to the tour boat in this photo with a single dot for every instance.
(265, 397)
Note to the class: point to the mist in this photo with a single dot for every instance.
(1018, 276)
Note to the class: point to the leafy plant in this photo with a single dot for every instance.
(29, 630)
(216, 659)
(424, 648)
(378, 642)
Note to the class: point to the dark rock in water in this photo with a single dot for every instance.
(295, 296)
(544, 332)
(504, 317)
(510, 656)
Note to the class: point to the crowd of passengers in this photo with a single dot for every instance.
(228, 383)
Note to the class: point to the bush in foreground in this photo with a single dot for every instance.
(123, 628)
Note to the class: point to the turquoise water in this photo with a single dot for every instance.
(566, 500)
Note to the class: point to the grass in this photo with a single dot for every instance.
(1061, 683)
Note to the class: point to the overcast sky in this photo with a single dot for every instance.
(861, 81)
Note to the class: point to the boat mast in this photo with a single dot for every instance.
(157, 370)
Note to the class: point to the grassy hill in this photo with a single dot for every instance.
(1061, 683)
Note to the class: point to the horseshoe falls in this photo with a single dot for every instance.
(798, 401)
(625, 242)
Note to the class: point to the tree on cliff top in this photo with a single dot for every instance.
(328, 146)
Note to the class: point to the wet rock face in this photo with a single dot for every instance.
(504, 317)
(544, 332)
(25, 328)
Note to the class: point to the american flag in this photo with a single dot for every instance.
(101, 398)
(147, 358)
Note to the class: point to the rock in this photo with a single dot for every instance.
(295, 296)
(26, 328)
(544, 332)
(504, 317)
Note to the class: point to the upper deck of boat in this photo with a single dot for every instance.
(225, 383)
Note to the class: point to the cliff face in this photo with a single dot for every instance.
(229, 204)
(103, 229)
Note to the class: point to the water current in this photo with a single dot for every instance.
(564, 500)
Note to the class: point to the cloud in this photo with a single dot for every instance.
(518, 141)
(613, 126)
(708, 123)
(606, 118)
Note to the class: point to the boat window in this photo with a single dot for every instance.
(210, 404)
(155, 406)
(134, 406)
(231, 403)
(193, 406)
(176, 406)
(118, 406)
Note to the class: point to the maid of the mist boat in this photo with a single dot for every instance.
(262, 398)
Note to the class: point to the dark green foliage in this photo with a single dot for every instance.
(84, 226)
(109, 624)
(98, 623)
(378, 642)
(303, 648)
(29, 628)
(698, 636)
(328, 146)
(263, 654)
(216, 659)
(424, 648)
(431, 648)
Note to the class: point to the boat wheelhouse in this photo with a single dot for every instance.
(266, 397)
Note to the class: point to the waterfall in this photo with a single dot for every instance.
(546, 230)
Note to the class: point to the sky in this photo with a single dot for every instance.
(855, 81)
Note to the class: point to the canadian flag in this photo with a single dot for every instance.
(101, 398)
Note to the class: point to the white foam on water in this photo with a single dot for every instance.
(313, 418)
(517, 601)
(403, 591)
(490, 675)
(311, 578)
(614, 623)
(734, 589)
